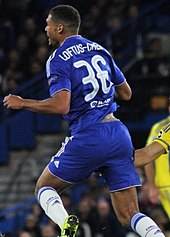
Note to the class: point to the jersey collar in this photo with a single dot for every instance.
(71, 37)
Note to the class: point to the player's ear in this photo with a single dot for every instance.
(60, 28)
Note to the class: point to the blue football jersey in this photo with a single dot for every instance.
(87, 70)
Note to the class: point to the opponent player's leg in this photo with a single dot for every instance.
(125, 205)
(47, 190)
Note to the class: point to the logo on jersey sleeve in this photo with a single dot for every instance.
(51, 80)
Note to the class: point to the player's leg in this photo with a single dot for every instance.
(125, 205)
(120, 174)
(59, 175)
(47, 190)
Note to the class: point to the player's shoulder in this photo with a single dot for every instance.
(54, 64)
(92, 45)
(161, 123)
(55, 59)
(52, 56)
(156, 128)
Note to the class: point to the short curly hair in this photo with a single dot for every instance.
(68, 15)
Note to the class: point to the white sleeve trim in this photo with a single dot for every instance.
(63, 89)
(121, 83)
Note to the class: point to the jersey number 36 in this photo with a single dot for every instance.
(91, 78)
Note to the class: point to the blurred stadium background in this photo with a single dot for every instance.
(137, 33)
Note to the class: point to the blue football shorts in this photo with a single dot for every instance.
(106, 148)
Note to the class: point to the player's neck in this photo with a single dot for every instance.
(66, 36)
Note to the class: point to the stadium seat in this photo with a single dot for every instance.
(45, 124)
(22, 131)
(4, 154)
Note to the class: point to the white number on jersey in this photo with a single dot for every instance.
(100, 74)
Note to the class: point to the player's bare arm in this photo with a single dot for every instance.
(123, 91)
(59, 103)
(153, 190)
(147, 154)
(160, 145)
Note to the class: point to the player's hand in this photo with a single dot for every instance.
(13, 102)
(154, 195)
(163, 137)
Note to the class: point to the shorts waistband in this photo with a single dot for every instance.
(109, 118)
